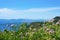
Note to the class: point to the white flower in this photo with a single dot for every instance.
(47, 29)
(33, 32)
(34, 29)
(30, 28)
(11, 34)
(27, 33)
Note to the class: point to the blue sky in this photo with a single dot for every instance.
(29, 9)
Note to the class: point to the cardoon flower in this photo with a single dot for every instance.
(47, 29)
(30, 28)
(33, 32)
(34, 29)
(11, 34)
(51, 31)
(27, 33)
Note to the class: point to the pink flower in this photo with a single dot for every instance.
(51, 31)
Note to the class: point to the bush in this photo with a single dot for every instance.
(46, 32)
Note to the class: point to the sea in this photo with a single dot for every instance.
(6, 24)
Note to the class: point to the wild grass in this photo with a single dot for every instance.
(45, 31)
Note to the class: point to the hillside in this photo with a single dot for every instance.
(55, 20)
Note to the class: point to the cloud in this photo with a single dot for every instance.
(28, 13)
(43, 10)
(6, 10)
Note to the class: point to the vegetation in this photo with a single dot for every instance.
(34, 31)
(56, 19)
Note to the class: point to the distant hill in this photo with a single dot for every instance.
(3, 21)
(55, 20)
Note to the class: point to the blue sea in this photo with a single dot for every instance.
(8, 26)
(7, 23)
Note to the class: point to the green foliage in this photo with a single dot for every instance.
(43, 32)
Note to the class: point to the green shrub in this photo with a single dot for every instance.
(46, 32)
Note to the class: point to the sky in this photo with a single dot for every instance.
(29, 9)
